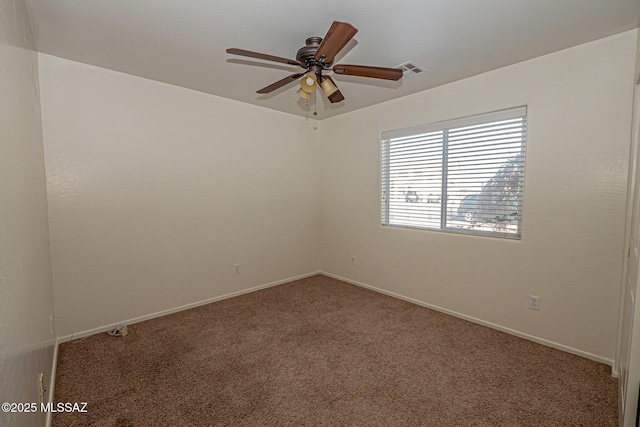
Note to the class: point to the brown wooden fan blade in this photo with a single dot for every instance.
(280, 83)
(368, 71)
(337, 37)
(335, 96)
(264, 56)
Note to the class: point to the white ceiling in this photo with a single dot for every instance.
(183, 42)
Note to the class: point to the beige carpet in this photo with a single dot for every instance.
(323, 352)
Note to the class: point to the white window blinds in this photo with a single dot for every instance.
(463, 175)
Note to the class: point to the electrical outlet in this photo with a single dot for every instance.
(353, 259)
(534, 302)
(51, 320)
(236, 268)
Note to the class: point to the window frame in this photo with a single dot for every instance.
(445, 126)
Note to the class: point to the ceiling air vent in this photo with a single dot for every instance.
(410, 69)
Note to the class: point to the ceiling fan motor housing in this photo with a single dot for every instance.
(307, 53)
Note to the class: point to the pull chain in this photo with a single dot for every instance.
(315, 100)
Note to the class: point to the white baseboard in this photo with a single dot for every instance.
(482, 322)
(353, 282)
(52, 382)
(614, 369)
(180, 308)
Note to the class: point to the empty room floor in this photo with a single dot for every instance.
(319, 351)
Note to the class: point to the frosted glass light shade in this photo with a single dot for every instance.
(303, 94)
(328, 88)
(308, 82)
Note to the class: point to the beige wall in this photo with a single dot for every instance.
(579, 119)
(156, 191)
(26, 300)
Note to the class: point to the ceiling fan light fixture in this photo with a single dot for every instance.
(328, 88)
(316, 56)
(309, 82)
(303, 94)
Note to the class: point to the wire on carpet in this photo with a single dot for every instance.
(118, 331)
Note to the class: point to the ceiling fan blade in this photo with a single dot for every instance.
(337, 37)
(335, 96)
(264, 56)
(368, 71)
(280, 83)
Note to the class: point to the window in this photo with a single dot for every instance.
(464, 175)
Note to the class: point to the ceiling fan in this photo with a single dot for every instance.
(317, 56)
